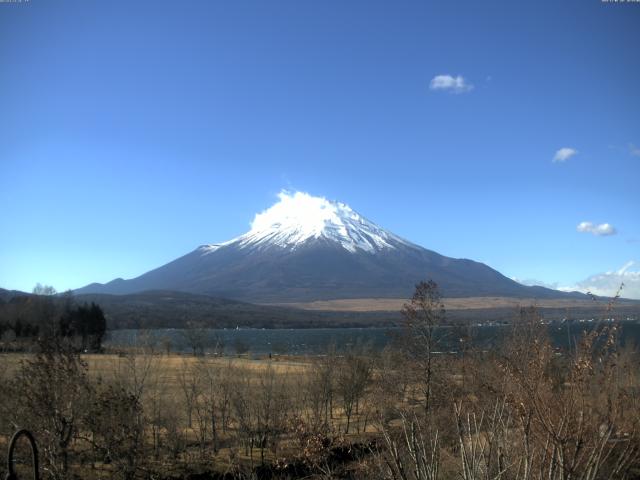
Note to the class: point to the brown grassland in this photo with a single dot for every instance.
(396, 304)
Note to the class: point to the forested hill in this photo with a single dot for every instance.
(167, 309)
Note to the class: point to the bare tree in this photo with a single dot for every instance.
(53, 390)
(272, 408)
(319, 386)
(196, 337)
(409, 454)
(353, 376)
(571, 410)
(244, 413)
(261, 407)
(132, 371)
(392, 382)
(44, 290)
(210, 388)
(115, 421)
(189, 384)
(422, 315)
(42, 312)
(223, 398)
(157, 404)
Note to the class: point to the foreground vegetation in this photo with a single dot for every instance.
(524, 411)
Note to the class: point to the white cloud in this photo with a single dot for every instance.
(633, 150)
(607, 284)
(532, 282)
(564, 154)
(601, 230)
(448, 83)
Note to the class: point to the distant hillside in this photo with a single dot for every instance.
(167, 309)
(6, 295)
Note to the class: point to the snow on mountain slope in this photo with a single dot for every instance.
(299, 217)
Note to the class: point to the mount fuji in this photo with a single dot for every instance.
(307, 248)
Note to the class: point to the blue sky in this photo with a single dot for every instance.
(131, 132)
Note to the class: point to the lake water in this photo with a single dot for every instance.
(317, 341)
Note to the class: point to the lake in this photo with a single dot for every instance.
(316, 341)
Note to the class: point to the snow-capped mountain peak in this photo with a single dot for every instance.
(299, 217)
(307, 248)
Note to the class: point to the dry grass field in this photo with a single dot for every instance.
(170, 372)
(104, 364)
(395, 304)
(178, 393)
(360, 414)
